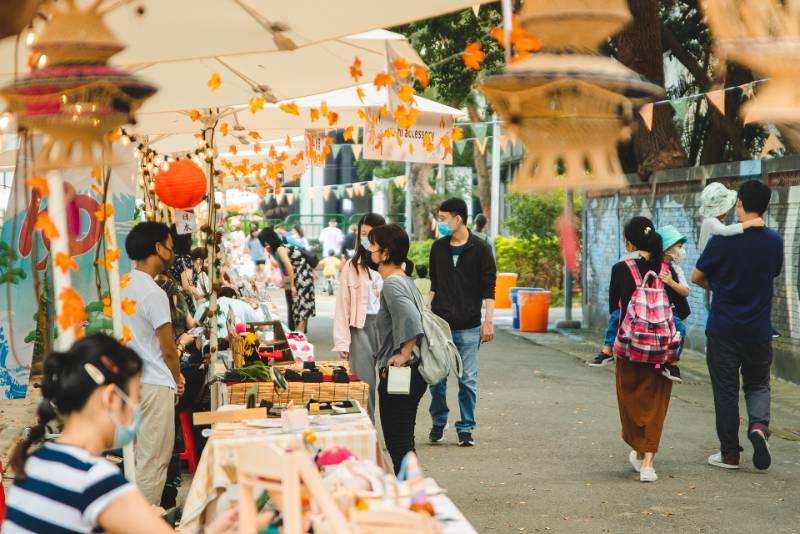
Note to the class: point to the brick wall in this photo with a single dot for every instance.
(675, 200)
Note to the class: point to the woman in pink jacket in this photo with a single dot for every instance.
(355, 336)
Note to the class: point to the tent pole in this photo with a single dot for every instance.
(408, 210)
(59, 245)
(494, 222)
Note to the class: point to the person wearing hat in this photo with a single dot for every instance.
(674, 256)
(717, 200)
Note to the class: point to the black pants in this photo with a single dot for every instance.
(399, 416)
(289, 315)
(726, 358)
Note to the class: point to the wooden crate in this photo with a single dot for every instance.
(300, 392)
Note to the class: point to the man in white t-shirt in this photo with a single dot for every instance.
(331, 238)
(149, 245)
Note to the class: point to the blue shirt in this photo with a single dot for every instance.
(66, 490)
(741, 270)
(257, 251)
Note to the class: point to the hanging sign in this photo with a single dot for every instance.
(317, 146)
(185, 222)
(428, 141)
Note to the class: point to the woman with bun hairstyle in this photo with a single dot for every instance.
(358, 300)
(399, 325)
(643, 394)
(66, 485)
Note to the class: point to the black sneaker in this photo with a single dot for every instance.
(437, 433)
(465, 439)
(761, 456)
(672, 372)
(601, 360)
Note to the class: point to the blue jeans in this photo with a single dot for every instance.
(467, 342)
(680, 327)
(611, 331)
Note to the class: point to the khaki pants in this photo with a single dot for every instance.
(155, 440)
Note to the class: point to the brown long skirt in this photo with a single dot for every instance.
(643, 396)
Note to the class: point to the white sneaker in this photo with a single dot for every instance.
(633, 458)
(717, 461)
(648, 474)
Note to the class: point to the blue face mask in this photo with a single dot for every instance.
(444, 229)
(125, 434)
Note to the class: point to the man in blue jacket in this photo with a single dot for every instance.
(463, 275)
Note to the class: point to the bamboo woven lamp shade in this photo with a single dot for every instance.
(569, 105)
(763, 35)
(73, 96)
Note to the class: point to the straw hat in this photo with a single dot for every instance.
(670, 236)
(717, 200)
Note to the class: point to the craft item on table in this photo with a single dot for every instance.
(333, 457)
(569, 105)
(295, 419)
(73, 95)
(411, 472)
(241, 328)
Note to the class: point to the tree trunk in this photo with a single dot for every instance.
(421, 193)
(481, 168)
(659, 148)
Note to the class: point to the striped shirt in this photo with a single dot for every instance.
(66, 490)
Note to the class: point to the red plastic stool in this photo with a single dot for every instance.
(189, 449)
(2, 497)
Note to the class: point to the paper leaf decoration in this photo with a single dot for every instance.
(772, 143)
(717, 99)
(646, 113)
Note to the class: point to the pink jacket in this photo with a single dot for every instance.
(351, 305)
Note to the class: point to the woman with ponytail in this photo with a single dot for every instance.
(355, 335)
(399, 325)
(643, 393)
(93, 389)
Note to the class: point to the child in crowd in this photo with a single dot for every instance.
(330, 270)
(674, 256)
(422, 282)
(717, 200)
(606, 356)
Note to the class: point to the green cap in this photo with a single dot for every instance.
(670, 236)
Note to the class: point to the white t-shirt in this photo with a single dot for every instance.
(331, 238)
(712, 226)
(152, 312)
(374, 294)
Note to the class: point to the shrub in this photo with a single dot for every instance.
(537, 260)
(420, 252)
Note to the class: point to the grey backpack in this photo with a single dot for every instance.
(436, 351)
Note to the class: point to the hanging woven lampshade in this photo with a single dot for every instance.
(182, 186)
(72, 95)
(569, 108)
(765, 37)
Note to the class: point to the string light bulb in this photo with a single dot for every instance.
(165, 166)
(42, 63)
(29, 37)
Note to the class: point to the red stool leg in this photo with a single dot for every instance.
(189, 448)
(2, 497)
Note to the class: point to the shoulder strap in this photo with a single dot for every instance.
(634, 269)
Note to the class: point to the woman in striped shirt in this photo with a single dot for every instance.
(66, 485)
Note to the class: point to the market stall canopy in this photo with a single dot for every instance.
(174, 132)
(178, 30)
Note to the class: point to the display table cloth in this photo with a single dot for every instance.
(215, 473)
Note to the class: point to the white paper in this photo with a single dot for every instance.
(399, 381)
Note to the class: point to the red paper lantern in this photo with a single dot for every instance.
(182, 186)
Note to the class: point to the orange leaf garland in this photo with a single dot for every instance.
(73, 312)
(382, 79)
(421, 75)
(273, 153)
(473, 56)
(402, 68)
(254, 135)
(257, 104)
(406, 93)
(104, 211)
(123, 282)
(458, 133)
(233, 150)
(314, 114)
(126, 334)
(323, 109)
(427, 143)
(348, 133)
(65, 262)
(107, 306)
(109, 258)
(214, 82)
(223, 128)
(97, 174)
(333, 118)
(288, 142)
(194, 115)
(38, 184)
(360, 94)
(291, 108)
(405, 118)
(355, 69)
(257, 148)
(128, 306)
(97, 190)
(45, 224)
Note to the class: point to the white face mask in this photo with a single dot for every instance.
(679, 256)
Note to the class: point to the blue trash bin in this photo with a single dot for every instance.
(514, 292)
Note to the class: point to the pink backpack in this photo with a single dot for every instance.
(647, 332)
